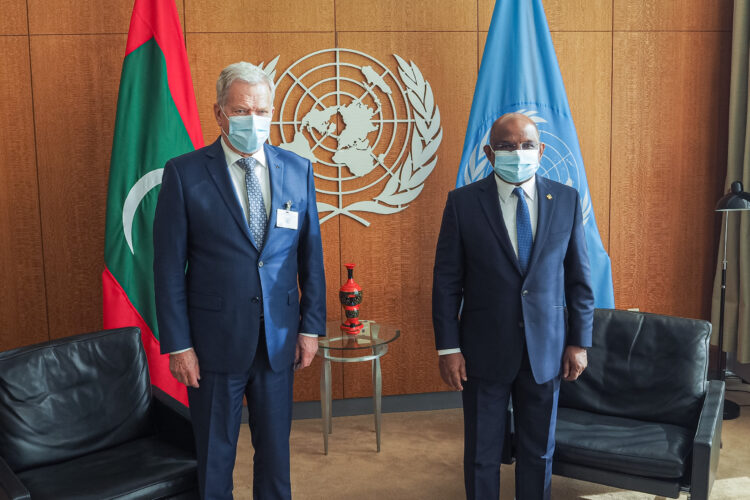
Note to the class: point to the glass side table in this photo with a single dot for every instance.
(340, 347)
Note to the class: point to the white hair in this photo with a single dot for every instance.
(242, 71)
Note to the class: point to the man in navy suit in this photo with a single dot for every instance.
(236, 231)
(510, 257)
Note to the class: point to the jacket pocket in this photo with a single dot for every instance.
(203, 301)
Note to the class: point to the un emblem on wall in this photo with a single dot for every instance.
(371, 136)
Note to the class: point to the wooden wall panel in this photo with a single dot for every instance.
(75, 97)
(669, 124)
(562, 15)
(395, 254)
(23, 315)
(585, 60)
(246, 16)
(13, 19)
(79, 16)
(673, 15)
(84, 16)
(412, 15)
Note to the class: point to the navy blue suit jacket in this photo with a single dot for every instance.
(211, 281)
(475, 263)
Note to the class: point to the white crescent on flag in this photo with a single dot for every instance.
(134, 198)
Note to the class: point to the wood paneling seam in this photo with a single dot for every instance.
(36, 166)
(260, 32)
(611, 129)
(671, 31)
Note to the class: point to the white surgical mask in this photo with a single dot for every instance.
(516, 166)
(247, 133)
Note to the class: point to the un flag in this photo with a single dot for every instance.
(519, 73)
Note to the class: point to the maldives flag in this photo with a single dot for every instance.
(156, 120)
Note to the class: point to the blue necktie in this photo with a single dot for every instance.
(523, 230)
(257, 219)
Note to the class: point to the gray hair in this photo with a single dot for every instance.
(242, 71)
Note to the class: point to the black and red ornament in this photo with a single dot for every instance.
(350, 295)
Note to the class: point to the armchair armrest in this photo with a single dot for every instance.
(172, 420)
(11, 488)
(707, 442)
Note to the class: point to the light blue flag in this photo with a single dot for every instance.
(519, 73)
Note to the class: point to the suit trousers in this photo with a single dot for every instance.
(216, 411)
(485, 413)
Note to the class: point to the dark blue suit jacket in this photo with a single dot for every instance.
(212, 283)
(475, 262)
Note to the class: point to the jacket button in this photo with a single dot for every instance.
(255, 300)
(525, 293)
(520, 324)
(260, 264)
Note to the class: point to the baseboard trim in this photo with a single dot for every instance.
(362, 406)
(391, 404)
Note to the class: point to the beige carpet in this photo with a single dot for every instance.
(421, 459)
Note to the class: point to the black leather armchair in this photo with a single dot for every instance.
(80, 420)
(643, 416)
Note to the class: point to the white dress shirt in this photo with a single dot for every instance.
(237, 174)
(508, 205)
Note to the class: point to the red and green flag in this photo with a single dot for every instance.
(156, 120)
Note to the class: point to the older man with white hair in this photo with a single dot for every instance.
(239, 281)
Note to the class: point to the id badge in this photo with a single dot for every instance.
(287, 218)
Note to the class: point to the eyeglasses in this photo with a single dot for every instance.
(512, 146)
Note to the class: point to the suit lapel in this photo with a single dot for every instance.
(490, 202)
(276, 178)
(545, 209)
(216, 165)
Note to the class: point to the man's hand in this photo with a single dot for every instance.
(453, 370)
(184, 367)
(574, 362)
(305, 351)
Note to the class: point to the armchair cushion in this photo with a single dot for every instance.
(144, 468)
(622, 445)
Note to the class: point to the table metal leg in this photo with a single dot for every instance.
(330, 398)
(377, 385)
(325, 401)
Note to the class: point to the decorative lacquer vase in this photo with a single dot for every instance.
(350, 295)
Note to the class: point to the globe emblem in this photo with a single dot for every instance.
(356, 121)
(558, 162)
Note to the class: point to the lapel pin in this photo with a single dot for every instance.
(549, 196)
(276, 166)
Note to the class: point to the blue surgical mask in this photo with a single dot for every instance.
(247, 133)
(516, 166)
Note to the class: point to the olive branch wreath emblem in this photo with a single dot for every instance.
(406, 181)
